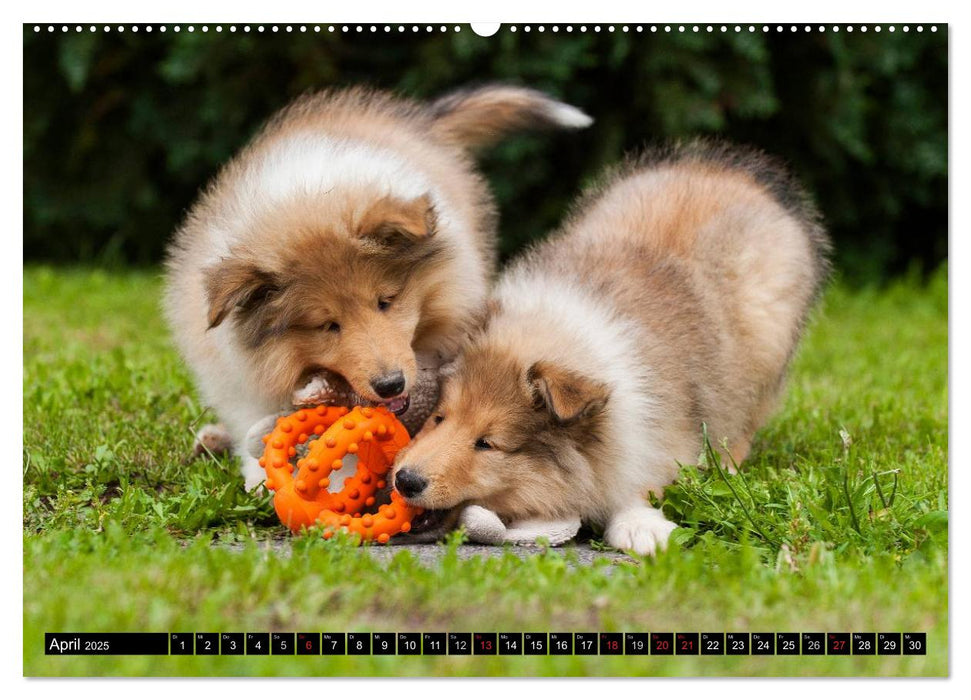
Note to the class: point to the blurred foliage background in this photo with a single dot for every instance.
(122, 129)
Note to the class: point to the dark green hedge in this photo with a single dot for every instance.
(121, 129)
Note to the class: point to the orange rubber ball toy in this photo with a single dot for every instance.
(374, 435)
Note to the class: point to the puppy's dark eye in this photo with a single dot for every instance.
(384, 303)
(482, 444)
(438, 419)
(330, 327)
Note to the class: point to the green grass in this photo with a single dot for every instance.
(820, 532)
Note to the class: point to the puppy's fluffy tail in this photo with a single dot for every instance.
(477, 118)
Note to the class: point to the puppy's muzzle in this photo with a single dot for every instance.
(409, 483)
(389, 385)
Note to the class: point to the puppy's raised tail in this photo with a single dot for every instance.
(479, 117)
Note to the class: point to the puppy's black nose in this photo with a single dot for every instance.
(409, 483)
(390, 385)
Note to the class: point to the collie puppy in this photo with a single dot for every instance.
(351, 235)
(673, 297)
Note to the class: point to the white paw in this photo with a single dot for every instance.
(212, 439)
(253, 442)
(555, 532)
(482, 525)
(253, 474)
(641, 529)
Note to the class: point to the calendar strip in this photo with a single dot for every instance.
(486, 643)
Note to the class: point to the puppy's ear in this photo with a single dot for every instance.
(233, 283)
(392, 219)
(566, 395)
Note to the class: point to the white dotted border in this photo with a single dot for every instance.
(246, 28)
(414, 28)
(737, 28)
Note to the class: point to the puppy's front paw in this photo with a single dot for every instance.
(212, 439)
(253, 442)
(253, 474)
(641, 529)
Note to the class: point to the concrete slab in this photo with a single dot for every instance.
(429, 555)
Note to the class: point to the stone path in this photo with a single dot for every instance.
(430, 554)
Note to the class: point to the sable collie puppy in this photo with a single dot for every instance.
(673, 296)
(351, 234)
